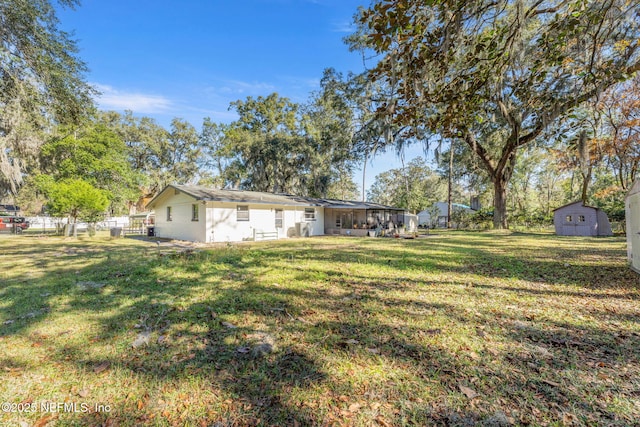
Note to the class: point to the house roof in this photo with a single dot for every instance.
(199, 192)
(635, 188)
(575, 203)
(350, 204)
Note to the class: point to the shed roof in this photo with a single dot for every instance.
(575, 203)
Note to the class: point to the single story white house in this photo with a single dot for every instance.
(632, 215)
(577, 219)
(201, 214)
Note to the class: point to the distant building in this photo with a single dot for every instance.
(439, 210)
(475, 203)
(9, 210)
(576, 219)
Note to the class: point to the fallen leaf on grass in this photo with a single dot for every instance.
(352, 341)
(141, 339)
(45, 420)
(101, 367)
(470, 393)
(243, 350)
(14, 372)
(354, 407)
(382, 422)
(541, 352)
(83, 393)
(551, 383)
(229, 325)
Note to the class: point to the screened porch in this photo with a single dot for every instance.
(363, 221)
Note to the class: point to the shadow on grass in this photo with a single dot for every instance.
(224, 327)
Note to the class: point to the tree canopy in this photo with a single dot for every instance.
(414, 187)
(495, 74)
(41, 79)
(75, 198)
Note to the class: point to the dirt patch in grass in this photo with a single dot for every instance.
(465, 329)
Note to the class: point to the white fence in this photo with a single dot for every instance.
(50, 224)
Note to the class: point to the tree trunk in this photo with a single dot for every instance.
(450, 189)
(584, 156)
(586, 179)
(500, 203)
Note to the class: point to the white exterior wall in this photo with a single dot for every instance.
(181, 227)
(223, 224)
(218, 221)
(632, 214)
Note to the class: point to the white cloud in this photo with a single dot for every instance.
(240, 87)
(343, 27)
(115, 99)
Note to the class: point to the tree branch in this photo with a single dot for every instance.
(568, 105)
(477, 148)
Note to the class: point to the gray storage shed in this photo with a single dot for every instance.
(632, 213)
(576, 219)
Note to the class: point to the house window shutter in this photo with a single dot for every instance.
(242, 213)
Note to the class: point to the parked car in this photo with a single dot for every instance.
(14, 224)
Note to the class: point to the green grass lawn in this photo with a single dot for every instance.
(455, 329)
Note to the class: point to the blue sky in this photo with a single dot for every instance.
(190, 59)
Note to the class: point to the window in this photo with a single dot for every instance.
(309, 214)
(278, 218)
(568, 218)
(243, 213)
(338, 221)
(581, 218)
(169, 214)
(194, 212)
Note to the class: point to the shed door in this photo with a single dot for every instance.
(583, 221)
(577, 224)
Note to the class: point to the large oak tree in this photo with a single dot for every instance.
(495, 73)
